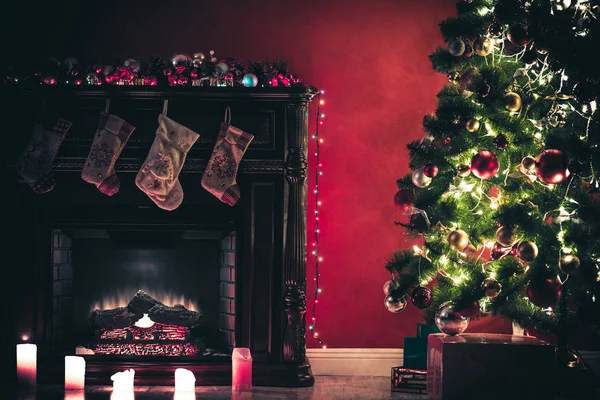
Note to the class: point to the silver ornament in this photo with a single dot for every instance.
(388, 286)
(395, 303)
(456, 47)
(181, 59)
(449, 321)
(223, 67)
(250, 80)
(561, 5)
(419, 179)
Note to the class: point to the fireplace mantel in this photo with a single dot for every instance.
(270, 218)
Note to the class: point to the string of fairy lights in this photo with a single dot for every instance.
(315, 244)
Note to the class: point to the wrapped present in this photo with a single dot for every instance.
(409, 380)
(424, 330)
(415, 352)
(490, 366)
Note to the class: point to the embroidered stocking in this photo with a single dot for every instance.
(219, 176)
(35, 164)
(159, 175)
(111, 137)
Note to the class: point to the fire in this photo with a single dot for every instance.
(121, 299)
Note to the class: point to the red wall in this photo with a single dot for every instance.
(371, 59)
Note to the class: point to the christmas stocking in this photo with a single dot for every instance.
(35, 164)
(159, 176)
(111, 137)
(219, 176)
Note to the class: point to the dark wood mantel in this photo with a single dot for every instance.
(270, 217)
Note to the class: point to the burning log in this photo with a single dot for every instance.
(177, 315)
(120, 317)
(142, 302)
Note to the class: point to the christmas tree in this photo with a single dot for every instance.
(504, 185)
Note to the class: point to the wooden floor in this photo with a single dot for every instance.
(326, 387)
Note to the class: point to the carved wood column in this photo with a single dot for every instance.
(294, 268)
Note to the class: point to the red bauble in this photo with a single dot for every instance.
(552, 167)
(403, 200)
(545, 293)
(501, 141)
(518, 35)
(421, 297)
(484, 164)
(471, 310)
(430, 170)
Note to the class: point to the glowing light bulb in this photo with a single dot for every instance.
(320, 259)
(321, 102)
(324, 347)
(321, 140)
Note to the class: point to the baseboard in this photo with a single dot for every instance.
(367, 362)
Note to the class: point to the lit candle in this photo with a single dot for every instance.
(185, 380)
(241, 369)
(123, 381)
(74, 373)
(27, 364)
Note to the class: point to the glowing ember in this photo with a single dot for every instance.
(155, 332)
(147, 349)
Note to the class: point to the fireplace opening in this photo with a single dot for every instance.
(142, 292)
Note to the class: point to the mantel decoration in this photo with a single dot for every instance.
(181, 70)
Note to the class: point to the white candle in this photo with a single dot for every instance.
(185, 381)
(74, 373)
(123, 381)
(241, 369)
(27, 364)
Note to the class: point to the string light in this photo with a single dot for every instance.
(315, 252)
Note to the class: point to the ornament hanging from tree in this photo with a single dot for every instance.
(421, 297)
(527, 251)
(491, 288)
(505, 235)
(569, 263)
(552, 167)
(484, 164)
(403, 199)
(456, 47)
(419, 179)
(544, 293)
(458, 239)
(512, 102)
(395, 302)
(430, 170)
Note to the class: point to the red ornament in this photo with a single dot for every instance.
(421, 297)
(446, 141)
(552, 167)
(403, 200)
(545, 293)
(430, 170)
(518, 35)
(471, 310)
(484, 164)
(501, 141)
(468, 51)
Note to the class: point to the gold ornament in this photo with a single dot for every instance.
(527, 251)
(528, 164)
(473, 125)
(463, 170)
(491, 288)
(512, 101)
(569, 263)
(458, 239)
(483, 46)
(505, 235)
(419, 179)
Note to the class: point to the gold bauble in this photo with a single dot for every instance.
(491, 288)
(473, 125)
(528, 164)
(512, 101)
(527, 251)
(505, 235)
(458, 239)
(463, 170)
(483, 46)
(419, 179)
(569, 263)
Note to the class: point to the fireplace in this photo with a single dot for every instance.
(131, 286)
(142, 292)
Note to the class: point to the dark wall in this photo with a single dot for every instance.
(371, 59)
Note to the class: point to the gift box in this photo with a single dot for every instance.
(424, 330)
(489, 366)
(415, 352)
(407, 380)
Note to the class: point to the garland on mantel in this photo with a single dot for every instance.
(181, 70)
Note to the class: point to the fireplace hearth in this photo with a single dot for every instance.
(131, 286)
